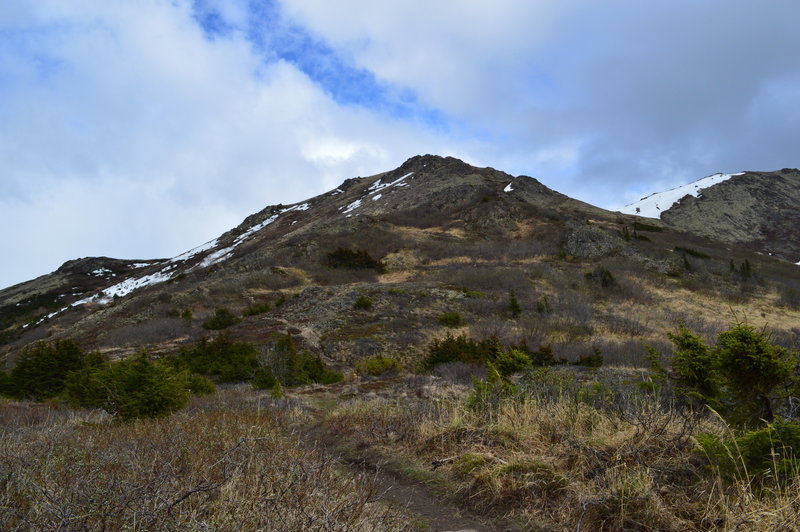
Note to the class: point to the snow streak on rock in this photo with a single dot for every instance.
(652, 206)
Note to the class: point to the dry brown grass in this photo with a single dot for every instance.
(557, 463)
(226, 463)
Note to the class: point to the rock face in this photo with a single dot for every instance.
(760, 210)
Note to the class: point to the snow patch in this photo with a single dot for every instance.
(353, 206)
(653, 205)
(168, 271)
(377, 197)
(508, 188)
(378, 185)
(100, 272)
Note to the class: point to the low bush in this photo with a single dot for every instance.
(602, 276)
(356, 259)
(487, 394)
(221, 357)
(292, 367)
(513, 305)
(461, 349)
(378, 365)
(450, 319)
(641, 226)
(512, 361)
(743, 377)
(42, 369)
(258, 308)
(592, 360)
(133, 388)
(363, 303)
(772, 450)
(692, 252)
(221, 319)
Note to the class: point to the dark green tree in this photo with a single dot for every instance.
(42, 369)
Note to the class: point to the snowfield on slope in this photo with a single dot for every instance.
(653, 205)
(166, 273)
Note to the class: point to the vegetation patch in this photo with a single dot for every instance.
(222, 319)
(450, 319)
(641, 226)
(355, 259)
(379, 365)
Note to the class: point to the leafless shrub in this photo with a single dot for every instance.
(572, 306)
(460, 372)
(221, 466)
(152, 331)
(485, 306)
(493, 326)
(789, 293)
(532, 330)
(624, 325)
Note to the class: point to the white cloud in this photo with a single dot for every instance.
(127, 107)
(139, 137)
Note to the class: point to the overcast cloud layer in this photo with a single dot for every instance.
(139, 129)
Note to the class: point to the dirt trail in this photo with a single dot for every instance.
(436, 514)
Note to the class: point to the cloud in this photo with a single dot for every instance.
(128, 131)
(140, 129)
(593, 96)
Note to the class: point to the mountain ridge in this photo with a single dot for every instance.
(440, 227)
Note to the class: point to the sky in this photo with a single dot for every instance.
(142, 128)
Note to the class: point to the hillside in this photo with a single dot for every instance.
(450, 238)
(758, 210)
(437, 347)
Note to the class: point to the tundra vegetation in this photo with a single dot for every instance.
(706, 440)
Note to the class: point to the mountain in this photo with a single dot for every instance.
(435, 236)
(759, 210)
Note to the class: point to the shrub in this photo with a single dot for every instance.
(641, 226)
(222, 357)
(513, 305)
(363, 303)
(450, 319)
(593, 360)
(355, 259)
(294, 368)
(140, 388)
(773, 449)
(5, 383)
(740, 376)
(487, 394)
(602, 276)
(42, 369)
(461, 349)
(512, 361)
(543, 356)
(86, 387)
(132, 388)
(692, 252)
(753, 369)
(221, 319)
(258, 308)
(198, 385)
(263, 379)
(378, 365)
